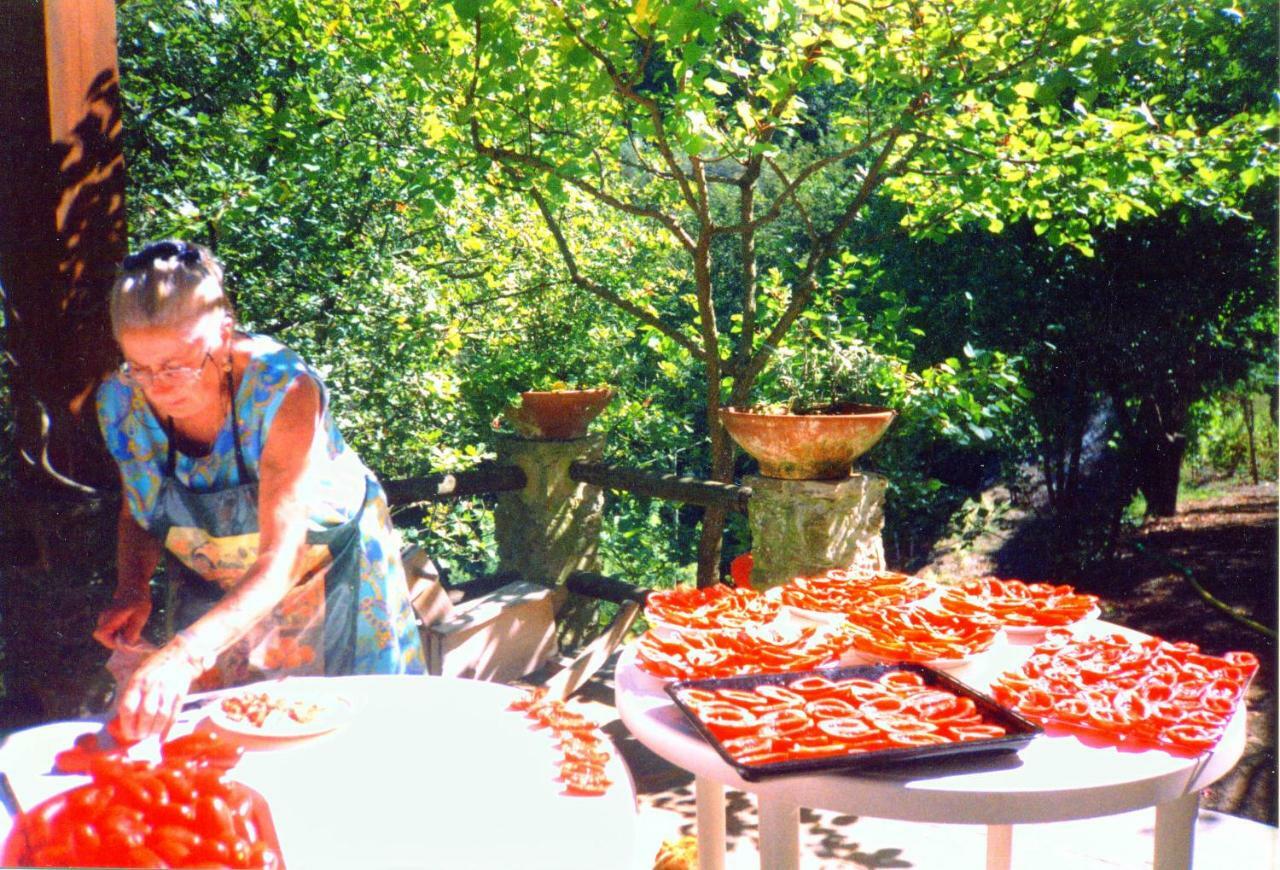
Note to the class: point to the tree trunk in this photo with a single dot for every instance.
(1159, 445)
(1159, 469)
(1246, 407)
(62, 232)
(713, 518)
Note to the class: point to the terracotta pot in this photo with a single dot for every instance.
(813, 446)
(557, 414)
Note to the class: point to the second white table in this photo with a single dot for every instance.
(1055, 778)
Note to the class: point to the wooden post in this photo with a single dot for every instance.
(62, 227)
(62, 232)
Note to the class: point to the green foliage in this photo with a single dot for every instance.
(986, 111)
(818, 373)
(1220, 444)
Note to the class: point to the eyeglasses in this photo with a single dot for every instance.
(169, 376)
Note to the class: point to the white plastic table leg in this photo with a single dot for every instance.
(709, 797)
(779, 834)
(999, 847)
(1175, 832)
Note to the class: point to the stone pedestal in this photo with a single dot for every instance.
(809, 526)
(551, 528)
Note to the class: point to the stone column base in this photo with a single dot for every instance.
(805, 527)
(551, 528)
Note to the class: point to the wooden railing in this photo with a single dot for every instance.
(482, 480)
(410, 499)
(494, 478)
(669, 487)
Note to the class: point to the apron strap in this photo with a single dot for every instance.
(242, 468)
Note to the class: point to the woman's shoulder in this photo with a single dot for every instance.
(272, 362)
(271, 370)
(272, 367)
(114, 392)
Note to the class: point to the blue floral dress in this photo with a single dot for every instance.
(349, 611)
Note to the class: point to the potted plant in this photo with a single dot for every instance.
(558, 411)
(824, 416)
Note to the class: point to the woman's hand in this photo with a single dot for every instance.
(154, 694)
(122, 621)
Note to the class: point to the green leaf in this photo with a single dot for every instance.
(468, 9)
(770, 15)
(833, 66)
(841, 39)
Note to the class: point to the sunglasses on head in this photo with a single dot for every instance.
(187, 254)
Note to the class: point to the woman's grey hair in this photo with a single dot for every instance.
(167, 283)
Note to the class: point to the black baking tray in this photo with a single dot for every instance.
(1020, 731)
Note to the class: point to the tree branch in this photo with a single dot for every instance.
(507, 156)
(795, 200)
(623, 87)
(595, 289)
(820, 254)
(510, 294)
(775, 209)
(712, 178)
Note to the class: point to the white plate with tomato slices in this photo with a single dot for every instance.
(860, 657)
(280, 711)
(1028, 634)
(914, 591)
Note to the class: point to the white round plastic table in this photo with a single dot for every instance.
(1055, 778)
(426, 772)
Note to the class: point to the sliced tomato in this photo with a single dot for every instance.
(812, 686)
(784, 721)
(742, 698)
(895, 724)
(976, 732)
(962, 710)
(884, 705)
(847, 728)
(916, 738)
(780, 694)
(830, 708)
(902, 678)
(1191, 737)
(527, 699)
(73, 760)
(584, 779)
(931, 704)
(727, 720)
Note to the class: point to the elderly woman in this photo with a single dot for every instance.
(231, 462)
